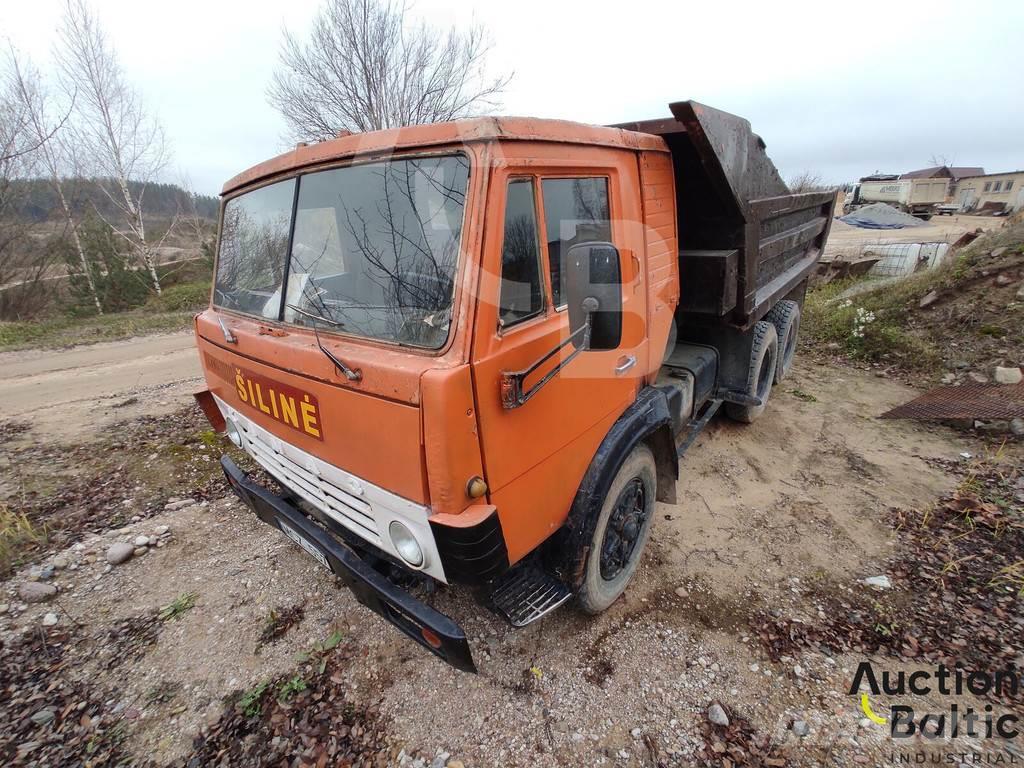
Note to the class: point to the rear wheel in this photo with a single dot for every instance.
(760, 375)
(622, 530)
(785, 316)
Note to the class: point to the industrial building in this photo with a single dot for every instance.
(992, 192)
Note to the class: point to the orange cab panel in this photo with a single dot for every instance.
(368, 436)
(535, 454)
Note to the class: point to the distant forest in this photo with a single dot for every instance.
(37, 200)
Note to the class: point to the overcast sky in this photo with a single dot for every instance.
(840, 89)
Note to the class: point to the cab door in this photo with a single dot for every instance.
(543, 199)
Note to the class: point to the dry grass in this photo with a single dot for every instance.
(17, 536)
(973, 320)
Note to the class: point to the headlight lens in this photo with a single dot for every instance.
(231, 430)
(406, 544)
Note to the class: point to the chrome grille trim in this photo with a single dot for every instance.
(361, 507)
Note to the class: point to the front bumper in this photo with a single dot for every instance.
(434, 631)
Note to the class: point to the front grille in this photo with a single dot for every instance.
(349, 511)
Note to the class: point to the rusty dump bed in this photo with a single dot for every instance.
(748, 242)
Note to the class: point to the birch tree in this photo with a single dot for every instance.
(122, 141)
(366, 66)
(54, 152)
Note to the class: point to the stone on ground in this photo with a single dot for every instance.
(716, 714)
(120, 552)
(36, 591)
(1008, 375)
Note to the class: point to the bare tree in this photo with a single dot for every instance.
(115, 132)
(54, 153)
(198, 226)
(16, 149)
(24, 267)
(807, 181)
(367, 67)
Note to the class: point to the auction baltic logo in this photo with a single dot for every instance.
(955, 721)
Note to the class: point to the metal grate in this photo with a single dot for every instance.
(902, 259)
(969, 401)
(526, 593)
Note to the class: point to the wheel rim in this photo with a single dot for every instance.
(625, 524)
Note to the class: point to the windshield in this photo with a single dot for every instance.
(374, 249)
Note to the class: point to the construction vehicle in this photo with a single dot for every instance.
(473, 352)
(918, 197)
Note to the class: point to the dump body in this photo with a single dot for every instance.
(745, 240)
(916, 196)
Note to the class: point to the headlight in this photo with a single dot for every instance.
(231, 430)
(406, 544)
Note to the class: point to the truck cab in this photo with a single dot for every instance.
(445, 343)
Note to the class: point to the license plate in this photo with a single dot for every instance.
(301, 541)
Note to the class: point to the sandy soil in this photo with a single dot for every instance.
(846, 240)
(771, 516)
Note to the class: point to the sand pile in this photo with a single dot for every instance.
(880, 216)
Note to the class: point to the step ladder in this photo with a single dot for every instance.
(527, 593)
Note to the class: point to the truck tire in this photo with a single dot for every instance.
(622, 530)
(761, 374)
(785, 316)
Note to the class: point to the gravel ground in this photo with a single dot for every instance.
(781, 520)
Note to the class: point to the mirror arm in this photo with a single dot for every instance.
(512, 393)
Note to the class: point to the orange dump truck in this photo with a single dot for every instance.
(473, 352)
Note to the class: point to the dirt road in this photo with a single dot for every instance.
(70, 395)
(847, 240)
(773, 519)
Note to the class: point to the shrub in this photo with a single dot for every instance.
(182, 297)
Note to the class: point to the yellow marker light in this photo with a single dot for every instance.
(476, 487)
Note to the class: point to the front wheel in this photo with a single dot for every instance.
(622, 530)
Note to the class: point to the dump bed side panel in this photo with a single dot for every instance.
(745, 240)
(791, 234)
(660, 238)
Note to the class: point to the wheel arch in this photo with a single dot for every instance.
(647, 420)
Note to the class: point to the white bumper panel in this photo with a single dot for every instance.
(362, 507)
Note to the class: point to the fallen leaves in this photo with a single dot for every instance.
(959, 579)
(50, 718)
(738, 744)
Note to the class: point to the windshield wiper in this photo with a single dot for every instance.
(352, 374)
(315, 316)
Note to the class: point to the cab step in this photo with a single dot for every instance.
(527, 593)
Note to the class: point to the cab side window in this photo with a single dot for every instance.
(575, 211)
(521, 294)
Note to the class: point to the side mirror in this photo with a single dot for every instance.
(593, 288)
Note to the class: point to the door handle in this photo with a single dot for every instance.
(624, 364)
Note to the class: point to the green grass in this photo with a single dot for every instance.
(178, 607)
(830, 319)
(250, 701)
(183, 297)
(799, 394)
(61, 332)
(292, 687)
(895, 304)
